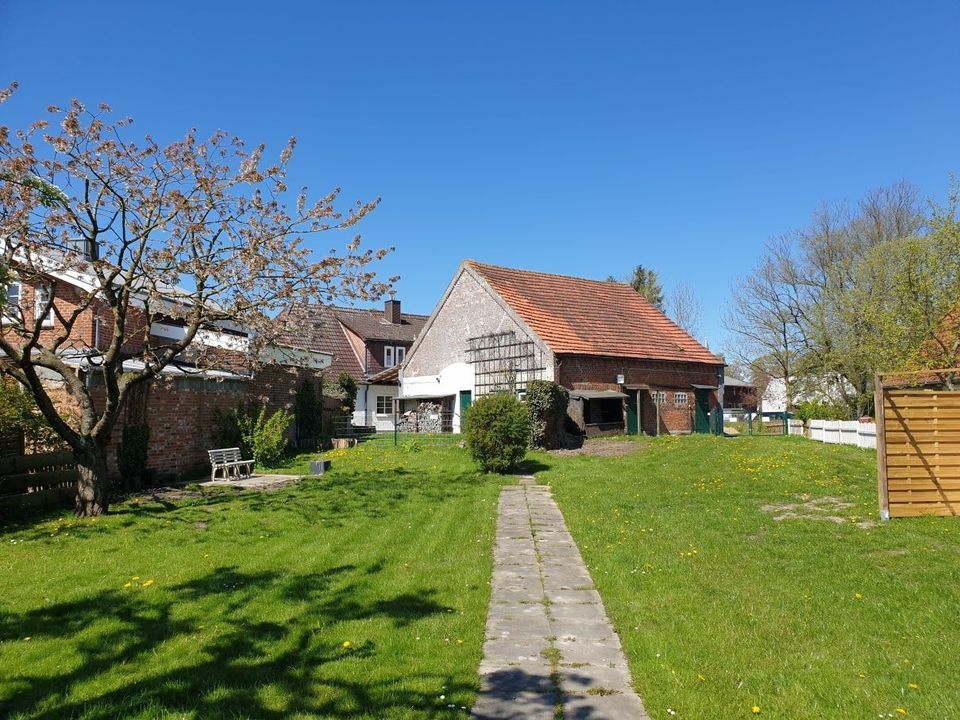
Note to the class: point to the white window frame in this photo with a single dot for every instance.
(41, 294)
(659, 397)
(681, 398)
(393, 355)
(389, 399)
(8, 317)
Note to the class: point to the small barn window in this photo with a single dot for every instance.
(384, 404)
(659, 397)
(680, 398)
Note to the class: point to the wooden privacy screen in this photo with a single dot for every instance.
(918, 451)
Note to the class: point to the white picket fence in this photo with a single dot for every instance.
(842, 432)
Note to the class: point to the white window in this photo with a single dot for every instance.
(680, 398)
(659, 397)
(393, 355)
(384, 405)
(12, 307)
(41, 296)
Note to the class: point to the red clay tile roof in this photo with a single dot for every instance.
(576, 316)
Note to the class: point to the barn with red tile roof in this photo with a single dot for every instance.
(627, 366)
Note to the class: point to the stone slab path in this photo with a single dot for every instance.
(550, 651)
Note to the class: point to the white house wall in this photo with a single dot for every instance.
(365, 411)
(450, 381)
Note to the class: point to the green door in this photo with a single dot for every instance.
(466, 397)
(702, 416)
(632, 424)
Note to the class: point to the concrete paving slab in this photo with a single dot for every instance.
(550, 650)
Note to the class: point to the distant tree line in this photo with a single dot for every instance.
(863, 288)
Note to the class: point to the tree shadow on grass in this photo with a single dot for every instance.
(333, 502)
(248, 665)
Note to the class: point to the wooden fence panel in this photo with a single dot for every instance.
(34, 480)
(918, 451)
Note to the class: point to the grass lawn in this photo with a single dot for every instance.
(362, 594)
(721, 607)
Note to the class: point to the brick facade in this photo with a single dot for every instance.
(179, 409)
(585, 372)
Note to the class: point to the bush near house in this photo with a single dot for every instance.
(498, 432)
(548, 410)
(262, 437)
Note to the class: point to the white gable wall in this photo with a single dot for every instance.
(438, 365)
(470, 309)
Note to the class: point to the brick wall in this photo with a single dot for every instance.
(179, 410)
(582, 372)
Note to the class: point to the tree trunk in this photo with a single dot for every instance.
(93, 488)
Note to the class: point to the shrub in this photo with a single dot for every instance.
(498, 432)
(268, 439)
(548, 409)
(819, 411)
(258, 436)
(132, 459)
(347, 388)
(308, 411)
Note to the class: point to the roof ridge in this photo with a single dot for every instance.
(478, 264)
(331, 306)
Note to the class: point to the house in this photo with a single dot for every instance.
(826, 389)
(627, 366)
(216, 371)
(369, 345)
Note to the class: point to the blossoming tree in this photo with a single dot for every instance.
(204, 232)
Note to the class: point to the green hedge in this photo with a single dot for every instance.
(498, 432)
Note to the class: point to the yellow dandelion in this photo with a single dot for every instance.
(912, 686)
(858, 596)
(347, 643)
(127, 584)
(148, 583)
(901, 711)
(755, 709)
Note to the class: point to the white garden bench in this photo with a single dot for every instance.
(228, 460)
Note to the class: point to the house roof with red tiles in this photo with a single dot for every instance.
(576, 316)
(329, 328)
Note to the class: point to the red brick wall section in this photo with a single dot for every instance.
(582, 372)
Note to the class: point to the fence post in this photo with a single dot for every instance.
(882, 485)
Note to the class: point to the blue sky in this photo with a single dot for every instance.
(577, 138)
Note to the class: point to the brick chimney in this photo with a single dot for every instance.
(391, 309)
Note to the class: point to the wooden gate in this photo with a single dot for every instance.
(918, 449)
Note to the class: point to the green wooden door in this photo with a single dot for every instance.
(466, 398)
(632, 424)
(702, 415)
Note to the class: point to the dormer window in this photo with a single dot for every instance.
(393, 355)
